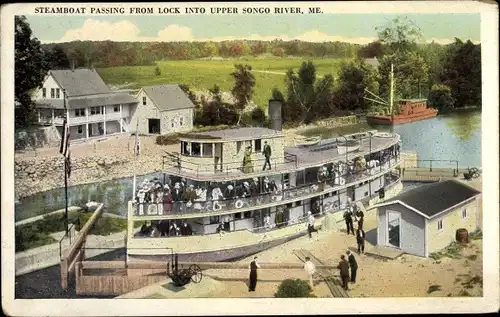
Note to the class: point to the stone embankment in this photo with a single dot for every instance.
(90, 163)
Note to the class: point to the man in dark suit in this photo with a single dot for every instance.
(360, 239)
(344, 272)
(353, 264)
(348, 221)
(361, 217)
(267, 153)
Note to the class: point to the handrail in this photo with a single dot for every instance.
(454, 162)
(69, 236)
(221, 205)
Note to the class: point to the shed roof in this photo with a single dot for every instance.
(80, 82)
(168, 97)
(432, 199)
(372, 62)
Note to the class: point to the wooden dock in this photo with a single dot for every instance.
(426, 174)
(331, 279)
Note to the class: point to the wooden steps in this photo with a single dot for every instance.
(332, 280)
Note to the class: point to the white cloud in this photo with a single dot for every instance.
(94, 30)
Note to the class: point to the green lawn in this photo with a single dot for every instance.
(203, 74)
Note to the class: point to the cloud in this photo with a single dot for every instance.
(95, 30)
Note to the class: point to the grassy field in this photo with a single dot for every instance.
(203, 74)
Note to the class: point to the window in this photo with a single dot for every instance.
(238, 146)
(80, 112)
(195, 149)
(116, 108)
(52, 93)
(172, 123)
(95, 110)
(80, 129)
(214, 220)
(464, 213)
(185, 148)
(44, 92)
(258, 145)
(207, 149)
(440, 225)
(298, 203)
(181, 121)
(366, 194)
(143, 101)
(58, 93)
(237, 216)
(247, 214)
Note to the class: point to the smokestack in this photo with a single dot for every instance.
(274, 114)
(73, 65)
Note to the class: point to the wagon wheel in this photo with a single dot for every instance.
(196, 274)
(475, 175)
(474, 172)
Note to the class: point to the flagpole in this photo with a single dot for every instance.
(136, 152)
(66, 222)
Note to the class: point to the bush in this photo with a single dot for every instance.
(440, 97)
(167, 139)
(258, 115)
(157, 71)
(293, 288)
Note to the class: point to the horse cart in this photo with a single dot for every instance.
(181, 276)
(471, 173)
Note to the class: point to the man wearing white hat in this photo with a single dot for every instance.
(310, 226)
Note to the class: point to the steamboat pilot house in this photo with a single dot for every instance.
(216, 201)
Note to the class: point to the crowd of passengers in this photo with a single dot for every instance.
(165, 228)
(155, 198)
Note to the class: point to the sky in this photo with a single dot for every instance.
(353, 28)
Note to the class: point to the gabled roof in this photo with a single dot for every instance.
(430, 200)
(80, 82)
(168, 97)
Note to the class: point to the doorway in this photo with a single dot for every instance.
(394, 229)
(154, 126)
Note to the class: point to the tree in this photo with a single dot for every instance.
(440, 97)
(293, 288)
(57, 58)
(400, 34)
(354, 78)
(373, 49)
(410, 75)
(244, 84)
(30, 69)
(306, 98)
(209, 49)
(462, 72)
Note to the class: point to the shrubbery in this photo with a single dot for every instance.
(294, 288)
(167, 139)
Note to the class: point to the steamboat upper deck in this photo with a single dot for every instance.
(218, 155)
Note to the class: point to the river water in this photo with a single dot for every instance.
(450, 137)
(446, 137)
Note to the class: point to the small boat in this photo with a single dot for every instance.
(308, 141)
(349, 146)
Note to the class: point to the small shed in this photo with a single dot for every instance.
(425, 219)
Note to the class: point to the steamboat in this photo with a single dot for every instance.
(410, 110)
(219, 201)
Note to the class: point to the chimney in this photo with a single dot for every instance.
(274, 114)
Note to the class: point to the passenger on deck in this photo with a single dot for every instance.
(177, 197)
(220, 229)
(167, 202)
(254, 189)
(186, 229)
(247, 160)
(267, 154)
(229, 193)
(174, 230)
(144, 229)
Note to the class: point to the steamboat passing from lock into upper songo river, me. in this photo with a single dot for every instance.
(221, 199)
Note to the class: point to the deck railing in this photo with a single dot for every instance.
(290, 193)
(175, 161)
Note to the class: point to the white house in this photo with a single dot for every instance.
(162, 109)
(92, 108)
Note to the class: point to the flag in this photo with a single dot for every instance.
(137, 147)
(64, 148)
